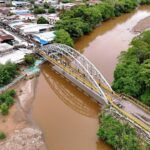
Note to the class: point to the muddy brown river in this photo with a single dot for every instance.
(66, 115)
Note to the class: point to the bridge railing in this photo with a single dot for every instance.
(129, 116)
(137, 102)
(84, 81)
(128, 98)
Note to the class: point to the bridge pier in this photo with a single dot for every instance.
(80, 85)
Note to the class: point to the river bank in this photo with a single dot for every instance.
(66, 116)
(72, 118)
(142, 25)
(22, 133)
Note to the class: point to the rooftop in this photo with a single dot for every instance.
(5, 47)
(44, 38)
(16, 56)
(4, 36)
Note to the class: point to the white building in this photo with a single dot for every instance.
(44, 38)
(5, 48)
(16, 56)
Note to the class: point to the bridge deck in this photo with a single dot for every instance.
(128, 108)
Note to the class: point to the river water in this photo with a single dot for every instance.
(66, 115)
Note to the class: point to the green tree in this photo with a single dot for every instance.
(73, 26)
(11, 92)
(29, 59)
(2, 135)
(65, 1)
(120, 136)
(132, 73)
(39, 10)
(46, 5)
(51, 10)
(4, 109)
(7, 73)
(9, 101)
(42, 20)
(63, 37)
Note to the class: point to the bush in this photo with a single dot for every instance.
(4, 109)
(132, 73)
(39, 10)
(65, 1)
(9, 101)
(51, 10)
(46, 5)
(2, 135)
(7, 73)
(120, 136)
(11, 92)
(63, 37)
(82, 19)
(42, 20)
(29, 59)
(4, 96)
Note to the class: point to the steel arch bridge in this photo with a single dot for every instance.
(78, 65)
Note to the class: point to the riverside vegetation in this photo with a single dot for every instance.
(132, 73)
(7, 73)
(120, 136)
(83, 19)
(6, 101)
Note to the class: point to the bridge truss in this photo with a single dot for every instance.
(79, 64)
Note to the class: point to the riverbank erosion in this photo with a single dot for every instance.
(142, 25)
(22, 133)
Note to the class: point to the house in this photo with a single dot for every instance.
(5, 48)
(6, 38)
(20, 3)
(25, 17)
(17, 56)
(44, 38)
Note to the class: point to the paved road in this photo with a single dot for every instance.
(133, 109)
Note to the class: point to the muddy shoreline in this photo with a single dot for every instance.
(142, 25)
(19, 126)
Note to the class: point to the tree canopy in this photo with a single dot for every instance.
(29, 59)
(39, 10)
(132, 73)
(51, 10)
(63, 37)
(42, 20)
(82, 19)
(7, 73)
(120, 135)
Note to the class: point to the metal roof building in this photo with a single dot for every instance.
(44, 38)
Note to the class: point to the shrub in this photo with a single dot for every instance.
(2, 135)
(29, 59)
(4, 109)
(11, 92)
(7, 73)
(42, 20)
(9, 101)
(46, 5)
(51, 10)
(39, 10)
(63, 37)
(120, 136)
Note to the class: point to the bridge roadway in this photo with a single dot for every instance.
(132, 109)
(126, 106)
